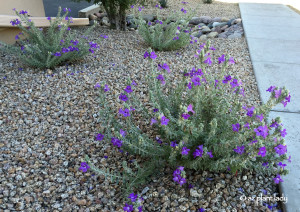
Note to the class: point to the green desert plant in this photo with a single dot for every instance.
(200, 124)
(163, 3)
(207, 1)
(47, 48)
(170, 34)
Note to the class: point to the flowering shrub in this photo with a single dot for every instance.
(201, 124)
(46, 48)
(165, 35)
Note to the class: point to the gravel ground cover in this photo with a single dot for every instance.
(48, 120)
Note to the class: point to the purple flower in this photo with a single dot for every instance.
(274, 124)
(265, 164)
(17, 37)
(236, 127)
(164, 66)
(262, 151)
(247, 125)
(280, 149)
(116, 142)
(189, 86)
(97, 85)
(161, 79)
(173, 144)
(122, 133)
(282, 165)
(153, 121)
(222, 59)
(277, 179)
(234, 83)
(140, 9)
(250, 111)
(128, 208)
(132, 6)
(124, 112)
(164, 120)
(208, 61)
(262, 131)
(239, 149)
(23, 12)
(133, 82)
(212, 48)
(271, 89)
(185, 115)
(99, 137)
(260, 117)
(57, 54)
(183, 10)
(198, 152)
(253, 142)
(155, 110)
(84, 167)
(153, 55)
(190, 108)
(123, 97)
(128, 89)
(67, 9)
(185, 150)
(49, 18)
(277, 93)
(210, 154)
(231, 60)
(289, 159)
(158, 140)
(133, 197)
(226, 79)
(283, 133)
(196, 80)
(201, 210)
(146, 55)
(106, 88)
(140, 208)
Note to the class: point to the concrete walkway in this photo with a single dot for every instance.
(273, 36)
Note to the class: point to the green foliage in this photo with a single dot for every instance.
(207, 1)
(48, 47)
(163, 3)
(170, 34)
(201, 113)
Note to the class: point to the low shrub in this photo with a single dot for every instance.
(200, 124)
(170, 34)
(207, 1)
(163, 3)
(47, 48)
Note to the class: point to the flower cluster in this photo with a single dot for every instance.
(135, 200)
(179, 176)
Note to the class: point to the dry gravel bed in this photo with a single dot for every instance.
(48, 122)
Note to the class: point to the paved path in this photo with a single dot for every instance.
(51, 7)
(273, 36)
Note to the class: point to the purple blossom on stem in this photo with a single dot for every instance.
(173, 144)
(161, 79)
(190, 108)
(132, 6)
(274, 124)
(222, 59)
(123, 97)
(231, 60)
(84, 167)
(185, 151)
(210, 154)
(164, 66)
(250, 111)
(155, 110)
(183, 10)
(99, 137)
(226, 79)
(236, 127)
(133, 83)
(185, 115)
(124, 112)
(277, 179)
(196, 81)
(189, 86)
(153, 121)
(208, 61)
(177, 176)
(198, 152)
(153, 55)
(122, 133)
(262, 131)
(239, 149)
(247, 125)
(282, 165)
(260, 117)
(253, 142)
(265, 164)
(106, 88)
(128, 208)
(277, 93)
(289, 159)
(280, 149)
(116, 142)
(271, 89)
(234, 83)
(128, 89)
(23, 12)
(283, 133)
(133, 197)
(262, 151)
(164, 120)
(146, 55)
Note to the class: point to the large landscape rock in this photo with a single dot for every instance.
(195, 21)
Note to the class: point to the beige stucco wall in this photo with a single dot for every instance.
(34, 8)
